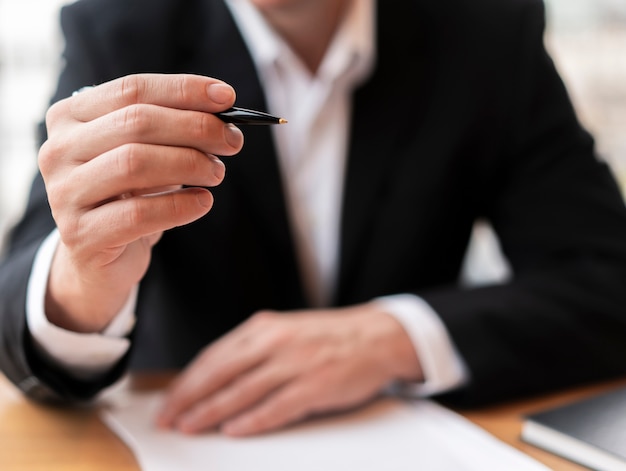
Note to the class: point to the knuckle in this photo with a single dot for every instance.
(193, 161)
(58, 193)
(63, 207)
(182, 87)
(55, 194)
(278, 338)
(136, 120)
(54, 112)
(129, 161)
(264, 320)
(132, 88)
(69, 235)
(175, 208)
(264, 317)
(133, 213)
(274, 334)
(203, 126)
(47, 156)
(70, 231)
(58, 114)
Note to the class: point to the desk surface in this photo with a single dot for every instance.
(35, 437)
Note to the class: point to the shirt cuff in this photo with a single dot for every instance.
(442, 365)
(83, 355)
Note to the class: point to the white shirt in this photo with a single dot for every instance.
(312, 152)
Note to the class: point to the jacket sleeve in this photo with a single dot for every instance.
(31, 371)
(561, 221)
(104, 40)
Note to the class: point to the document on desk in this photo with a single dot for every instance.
(388, 434)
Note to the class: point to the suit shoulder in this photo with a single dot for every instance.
(501, 13)
(489, 23)
(124, 17)
(127, 36)
(105, 10)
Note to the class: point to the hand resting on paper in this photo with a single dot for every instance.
(279, 368)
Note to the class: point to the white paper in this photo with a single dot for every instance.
(388, 434)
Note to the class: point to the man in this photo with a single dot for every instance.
(321, 267)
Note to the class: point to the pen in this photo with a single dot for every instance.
(233, 115)
(237, 115)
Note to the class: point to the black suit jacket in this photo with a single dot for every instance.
(465, 117)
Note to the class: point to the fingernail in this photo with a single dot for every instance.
(219, 169)
(161, 424)
(205, 198)
(234, 429)
(188, 425)
(220, 93)
(231, 430)
(233, 135)
(184, 425)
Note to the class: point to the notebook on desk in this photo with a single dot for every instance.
(591, 432)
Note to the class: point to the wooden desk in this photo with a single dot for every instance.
(39, 438)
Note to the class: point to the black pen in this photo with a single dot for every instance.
(237, 115)
(233, 115)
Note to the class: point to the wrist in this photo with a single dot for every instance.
(75, 303)
(392, 345)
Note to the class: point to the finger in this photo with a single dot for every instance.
(326, 389)
(181, 91)
(242, 349)
(290, 404)
(204, 378)
(238, 396)
(152, 239)
(146, 124)
(133, 168)
(123, 221)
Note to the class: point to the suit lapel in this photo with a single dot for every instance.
(387, 111)
(254, 171)
(376, 139)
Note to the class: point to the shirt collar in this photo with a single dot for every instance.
(353, 45)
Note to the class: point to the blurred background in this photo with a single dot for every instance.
(30, 48)
(587, 39)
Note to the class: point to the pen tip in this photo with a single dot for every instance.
(282, 121)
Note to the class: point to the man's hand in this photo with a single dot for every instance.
(278, 368)
(114, 165)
